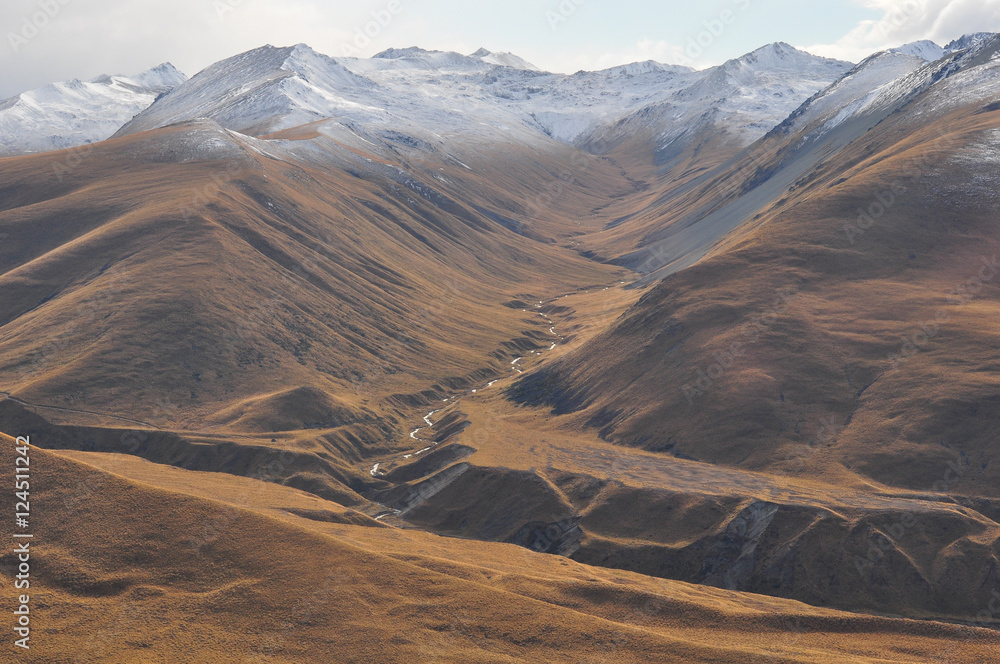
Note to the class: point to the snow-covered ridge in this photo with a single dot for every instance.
(71, 113)
(925, 50)
(856, 90)
(504, 59)
(930, 51)
(495, 95)
(741, 99)
(574, 108)
(429, 95)
(969, 41)
(418, 58)
(892, 79)
(266, 89)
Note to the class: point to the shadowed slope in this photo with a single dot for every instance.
(212, 269)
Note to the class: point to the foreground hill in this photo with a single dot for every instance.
(329, 584)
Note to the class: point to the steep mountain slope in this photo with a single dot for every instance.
(742, 98)
(292, 264)
(847, 325)
(706, 204)
(73, 113)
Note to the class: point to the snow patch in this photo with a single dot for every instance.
(73, 113)
(924, 49)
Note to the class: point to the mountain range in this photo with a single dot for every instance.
(640, 363)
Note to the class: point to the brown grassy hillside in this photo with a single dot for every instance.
(812, 344)
(219, 279)
(269, 585)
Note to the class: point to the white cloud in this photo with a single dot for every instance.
(86, 39)
(904, 21)
(644, 49)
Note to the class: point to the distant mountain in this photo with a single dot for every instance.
(262, 90)
(495, 95)
(925, 49)
(424, 94)
(738, 101)
(971, 40)
(504, 60)
(71, 113)
(418, 57)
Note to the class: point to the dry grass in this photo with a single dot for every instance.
(229, 314)
(117, 579)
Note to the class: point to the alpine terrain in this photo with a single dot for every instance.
(442, 357)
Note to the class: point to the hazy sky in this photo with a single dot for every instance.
(52, 40)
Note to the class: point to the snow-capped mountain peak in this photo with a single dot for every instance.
(775, 64)
(265, 89)
(924, 49)
(164, 76)
(504, 59)
(778, 55)
(71, 113)
(971, 40)
(418, 91)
